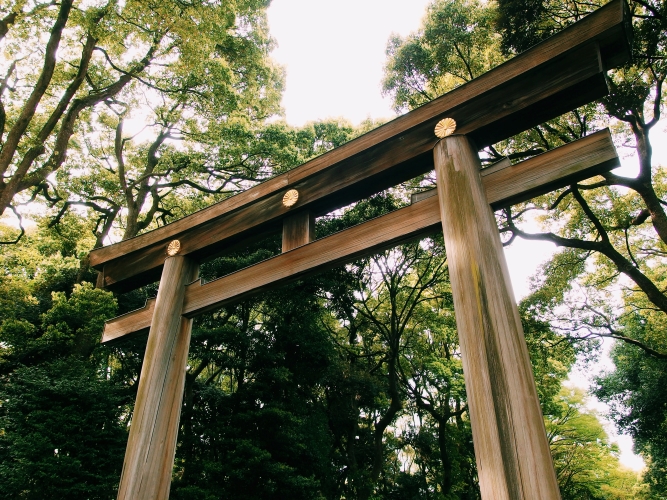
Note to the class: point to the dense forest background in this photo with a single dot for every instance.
(346, 385)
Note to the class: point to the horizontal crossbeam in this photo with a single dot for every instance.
(504, 184)
(559, 74)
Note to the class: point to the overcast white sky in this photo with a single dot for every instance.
(334, 54)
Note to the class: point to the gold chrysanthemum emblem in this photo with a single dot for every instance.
(445, 127)
(290, 197)
(173, 247)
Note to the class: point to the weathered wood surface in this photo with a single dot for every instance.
(561, 73)
(383, 232)
(151, 445)
(511, 447)
(298, 230)
(507, 185)
(551, 170)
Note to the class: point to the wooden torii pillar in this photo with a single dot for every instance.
(511, 447)
(512, 453)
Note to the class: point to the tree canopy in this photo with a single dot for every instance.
(192, 79)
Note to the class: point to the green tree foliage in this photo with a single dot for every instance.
(45, 314)
(195, 75)
(617, 220)
(586, 464)
(456, 43)
(61, 432)
(254, 422)
(636, 393)
(62, 418)
(394, 311)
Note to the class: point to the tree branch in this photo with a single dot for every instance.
(67, 128)
(29, 108)
(21, 228)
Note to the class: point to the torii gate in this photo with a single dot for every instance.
(511, 449)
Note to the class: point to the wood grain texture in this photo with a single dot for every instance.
(511, 448)
(553, 77)
(151, 445)
(503, 183)
(365, 239)
(298, 230)
(507, 185)
(137, 321)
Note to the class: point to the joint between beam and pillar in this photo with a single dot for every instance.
(298, 230)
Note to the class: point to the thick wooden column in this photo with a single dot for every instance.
(151, 446)
(511, 448)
